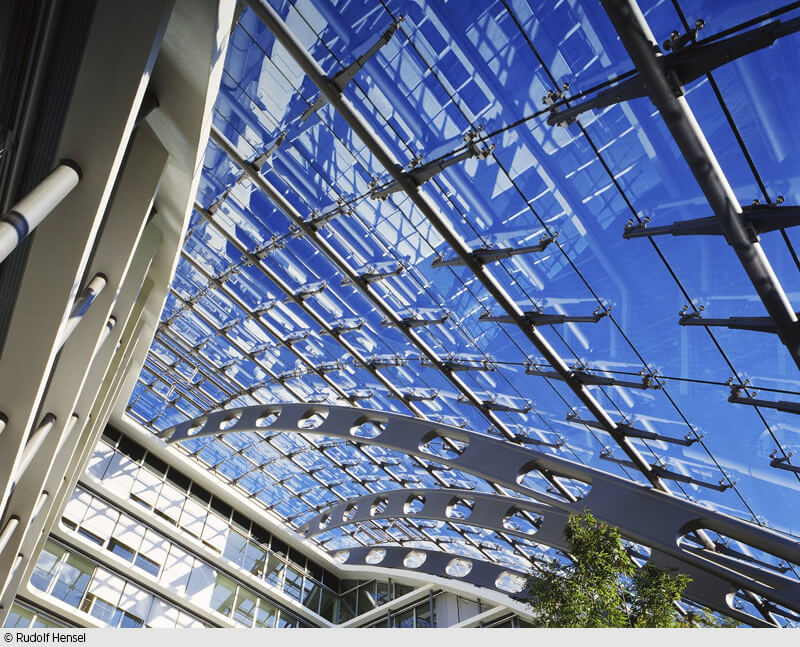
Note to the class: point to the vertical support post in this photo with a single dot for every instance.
(31, 210)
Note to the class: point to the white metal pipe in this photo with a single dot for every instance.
(81, 305)
(34, 443)
(39, 504)
(26, 214)
(112, 321)
(8, 530)
(17, 563)
(71, 424)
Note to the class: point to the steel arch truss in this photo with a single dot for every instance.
(437, 563)
(490, 511)
(644, 515)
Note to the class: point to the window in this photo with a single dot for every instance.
(245, 610)
(120, 549)
(19, 617)
(235, 546)
(90, 536)
(147, 565)
(73, 579)
(223, 594)
(294, 583)
(266, 615)
(423, 616)
(46, 566)
(274, 574)
(105, 612)
(255, 559)
(286, 620)
(404, 619)
(130, 621)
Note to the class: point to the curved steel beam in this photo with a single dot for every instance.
(643, 515)
(489, 511)
(439, 564)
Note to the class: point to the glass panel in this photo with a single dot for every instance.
(266, 614)
(46, 566)
(19, 617)
(73, 579)
(293, 585)
(245, 610)
(274, 572)
(223, 594)
(254, 559)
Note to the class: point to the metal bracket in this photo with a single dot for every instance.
(664, 473)
(780, 405)
(340, 80)
(756, 324)
(306, 291)
(782, 462)
(491, 404)
(318, 220)
(274, 244)
(341, 326)
(422, 174)
(374, 275)
(414, 395)
(757, 219)
(259, 162)
(484, 255)
(631, 432)
(682, 66)
(538, 318)
(455, 363)
(415, 322)
(386, 361)
(648, 381)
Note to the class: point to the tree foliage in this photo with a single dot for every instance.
(602, 587)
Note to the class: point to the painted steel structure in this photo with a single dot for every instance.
(323, 268)
(430, 213)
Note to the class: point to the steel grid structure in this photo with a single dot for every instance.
(594, 386)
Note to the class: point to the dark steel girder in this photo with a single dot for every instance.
(642, 514)
(433, 562)
(422, 201)
(638, 39)
(488, 511)
(686, 63)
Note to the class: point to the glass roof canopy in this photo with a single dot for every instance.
(254, 302)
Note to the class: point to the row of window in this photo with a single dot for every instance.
(168, 563)
(421, 615)
(175, 497)
(23, 617)
(113, 600)
(131, 473)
